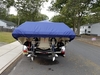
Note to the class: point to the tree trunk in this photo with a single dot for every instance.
(74, 26)
(78, 25)
(18, 19)
(78, 29)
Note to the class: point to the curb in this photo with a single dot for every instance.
(7, 68)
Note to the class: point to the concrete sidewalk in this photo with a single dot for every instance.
(8, 54)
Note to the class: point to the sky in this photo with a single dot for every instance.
(44, 10)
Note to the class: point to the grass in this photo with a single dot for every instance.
(6, 37)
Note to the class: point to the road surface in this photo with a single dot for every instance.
(81, 59)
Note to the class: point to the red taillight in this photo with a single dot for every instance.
(25, 51)
(62, 52)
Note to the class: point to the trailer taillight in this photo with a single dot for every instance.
(62, 52)
(25, 51)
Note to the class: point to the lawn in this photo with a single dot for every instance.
(6, 37)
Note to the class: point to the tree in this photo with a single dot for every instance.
(4, 8)
(12, 18)
(3, 13)
(73, 10)
(57, 5)
(41, 17)
(8, 3)
(95, 8)
(60, 18)
(29, 9)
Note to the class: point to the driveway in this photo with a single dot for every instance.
(81, 59)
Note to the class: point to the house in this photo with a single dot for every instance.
(7, 24)
(3, 24)
(85, 29)
(93, 29)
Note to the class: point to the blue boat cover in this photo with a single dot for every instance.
(43, 29)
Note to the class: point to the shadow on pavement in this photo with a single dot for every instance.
(43, 61)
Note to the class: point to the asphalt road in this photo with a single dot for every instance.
(81, 59)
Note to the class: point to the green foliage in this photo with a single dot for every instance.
(3, 13)
(60, 18)
(95, 9)
(75, 11)
(57, 5)
(72, 12)
(2, 10)
(12, 18)
(8, 3)
(96, 6)
(28, 10)
(4, 7)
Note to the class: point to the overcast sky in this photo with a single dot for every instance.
(43, 11)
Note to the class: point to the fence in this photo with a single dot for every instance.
(2, 29)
